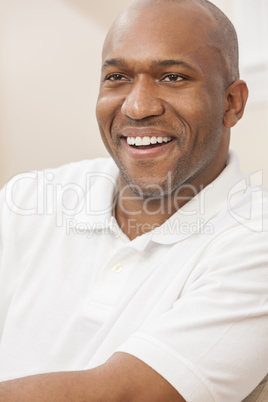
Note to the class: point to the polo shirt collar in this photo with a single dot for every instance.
(192, 218)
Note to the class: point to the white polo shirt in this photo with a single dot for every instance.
(190, 298)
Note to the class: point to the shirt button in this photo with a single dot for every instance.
(117, 268)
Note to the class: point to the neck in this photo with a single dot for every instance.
(138, 215)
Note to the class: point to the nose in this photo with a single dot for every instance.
(142, 101)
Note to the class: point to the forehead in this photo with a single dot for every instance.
(163, 30)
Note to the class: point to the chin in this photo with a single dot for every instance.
(150, 187)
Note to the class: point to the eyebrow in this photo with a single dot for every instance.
(119, 62)
(115, 62)
(173, 62)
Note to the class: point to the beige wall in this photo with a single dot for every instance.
(49, 77)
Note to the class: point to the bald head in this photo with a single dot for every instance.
(221, 32)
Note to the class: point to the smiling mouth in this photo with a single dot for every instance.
(145, 142)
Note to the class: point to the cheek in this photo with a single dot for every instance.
(102, 110)
(190, 105)
(106, 108)
(102, 114)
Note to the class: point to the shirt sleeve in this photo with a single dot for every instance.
(212, 345)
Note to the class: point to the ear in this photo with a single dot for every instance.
(236, 97)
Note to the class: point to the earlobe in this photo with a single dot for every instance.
(235, 101)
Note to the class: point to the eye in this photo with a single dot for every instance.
(172, 78)
(115, 77)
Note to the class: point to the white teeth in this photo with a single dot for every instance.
(138, 141)
(142, 141)
(146, 141)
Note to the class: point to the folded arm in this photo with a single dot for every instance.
(122, 378)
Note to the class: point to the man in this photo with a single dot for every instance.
(164, 297)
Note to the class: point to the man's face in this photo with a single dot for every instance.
(161, 102)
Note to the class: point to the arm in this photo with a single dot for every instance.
(122, 378)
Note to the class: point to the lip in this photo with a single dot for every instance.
(149, 153)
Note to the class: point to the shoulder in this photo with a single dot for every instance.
(28, 184)
(71, 172)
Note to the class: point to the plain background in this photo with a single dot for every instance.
(49, 78)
